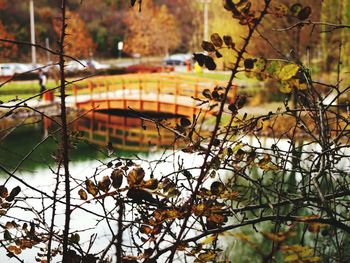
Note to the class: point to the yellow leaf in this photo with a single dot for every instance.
(199, 209)
(242, 237)
(307, 252)
(302, 86)
(229, 195)
(288, 71)
(291, 258)
(275, 237)
(209, 240)
(171, 214)
(267, 165)
(206, 257)
(285, 87)
(314, 259)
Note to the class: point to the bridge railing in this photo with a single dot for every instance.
(140, 86)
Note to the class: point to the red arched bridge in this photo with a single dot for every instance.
(161, 93)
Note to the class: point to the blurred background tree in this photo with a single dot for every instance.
(109, 21)
(6, 49)
(153, 31)
(79, 42)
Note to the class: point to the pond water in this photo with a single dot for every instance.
(90, 154)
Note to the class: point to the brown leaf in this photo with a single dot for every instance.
(249, 63)
(117, 178)
(139, 196)
(304, 13)
(206, 93)
(135, 176)
(210, 64)
(217, 218)
(14, 249)
(200, 58)
(91, 187)
(82, 194)
(151, 184)
(168, 185)
(207, 46)
(184, 122)
(228, 41)
(218, 54)
(104, 184)
(217, 188)
(216, 40)
(3, 191)
(14, 192)
(146, 230)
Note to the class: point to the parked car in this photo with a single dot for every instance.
(10, 69)
(177, 59)
(85, 65)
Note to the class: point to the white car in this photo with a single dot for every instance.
(9, 69)
(85, 64)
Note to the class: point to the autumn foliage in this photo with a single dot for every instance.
(79, 42)
(154, 31)
(6, 49)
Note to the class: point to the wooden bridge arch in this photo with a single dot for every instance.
(163, 93)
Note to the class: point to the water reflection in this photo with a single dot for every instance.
(123, 132)
(127, 135)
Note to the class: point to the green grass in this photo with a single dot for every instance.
(21, 89)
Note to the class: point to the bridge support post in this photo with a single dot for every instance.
(140, 94)
(75, 94)
(176, 96)
(158, 95)
(123, 94)
(90, 89)
(107, 95)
